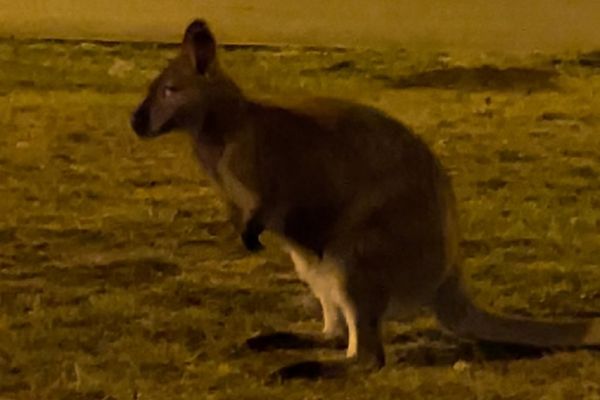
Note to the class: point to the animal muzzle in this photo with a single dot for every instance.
(140, 120)
(142, 125)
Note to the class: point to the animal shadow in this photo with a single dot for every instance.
(281, 340)
(419, 348)
(436, 348)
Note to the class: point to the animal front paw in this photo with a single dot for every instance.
(251, 241)
(251, 233)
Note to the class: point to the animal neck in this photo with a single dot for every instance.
(225, 117)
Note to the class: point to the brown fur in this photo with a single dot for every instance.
(366, 210)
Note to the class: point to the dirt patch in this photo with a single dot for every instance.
(120, 273)
(482, 78)
(492, 184)
(513, 156)
(591, 59)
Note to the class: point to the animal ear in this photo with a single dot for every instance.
(199, 45)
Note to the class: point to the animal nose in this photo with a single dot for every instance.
(140, 120)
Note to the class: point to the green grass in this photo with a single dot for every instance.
(121, 279)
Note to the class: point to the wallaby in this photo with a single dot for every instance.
(363, 206)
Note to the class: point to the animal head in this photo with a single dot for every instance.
(178, 97)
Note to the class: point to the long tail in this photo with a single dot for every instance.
(457, 312)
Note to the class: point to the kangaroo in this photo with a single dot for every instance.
(364, 208)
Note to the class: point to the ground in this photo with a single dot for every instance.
(121, 279)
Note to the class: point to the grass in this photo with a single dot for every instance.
(121, 279)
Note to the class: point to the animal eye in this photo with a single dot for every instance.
(169, 90)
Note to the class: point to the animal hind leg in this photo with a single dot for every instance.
(323, 282)
(363, 308)
(333, 318)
